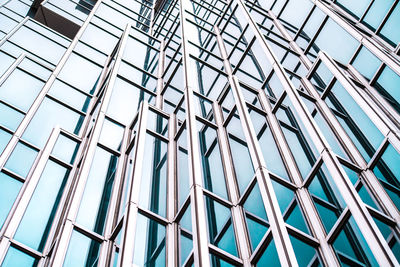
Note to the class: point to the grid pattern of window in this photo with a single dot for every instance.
(199, 133)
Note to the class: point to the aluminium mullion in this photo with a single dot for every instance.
(131, 211)
(91, 145)
(28, 190)
(328, 255)
(112, 213)
(370, 231)
(380, 120)
(369, 43)
(281, 237)
(377, 98)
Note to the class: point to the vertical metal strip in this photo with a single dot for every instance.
(200, 235)
(279, 231)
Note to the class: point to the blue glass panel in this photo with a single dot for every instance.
(283, 194)
(4, 139)
(334, 40)
(253, 203)
(65, 149)
(366, 63)
(20, 89)
(38, 218)
(304, 252)
(9, 188)
(17, 258)
(186, 220)
(111, 135)
(186, 246)
(9, 117)
(153, 183)
(47, 117)
(256, 231)
(69, 95)
(242, 162)
(388, 86)
(5, 61)
(391, 28)
(96, 197)
(269, 257)
(377, 12)
(355, 7)
(21, 159)
(149, 243)
(82, 251)
(80, 73)
(124, 101)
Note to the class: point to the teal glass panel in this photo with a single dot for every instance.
(366, 197)
(37, 44)
(295, 12)
(327, 215)
(271, 154)
(139, 54)
(65, 149)
(149, 243)
(366, 63)
(111, 135)
(49, 115)
(377, 13)
(69, 95)
(367, 140)
(21, 159)
(295, 218)
(9, 117)
(390, 29)
(35, 68)
(213, 173)
(388, 86)
(186, 246)
(17, 258)
(242, 163)
(388, 172)
(253, 203)
(153, 183)
(256, 231)
(356, 7)
(351, 242)
(39, 215)
(220, 226)
(96, 197)
(82, 251)
(5, 61)
(270, 256)
(9, 188)
(157, 123)
(216, 261)
(4, 139)
(97, 37)
(186, 220)
(304, 252)
(80, 73)
(124, 101)
(20, 89)
(283, 194)
(182, 168)
(335, 41)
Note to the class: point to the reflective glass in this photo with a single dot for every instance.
(17, 258)
(82, 251)
(96, 197)
(149, 243)
(9, 188)
(38, 218)
(21, 159)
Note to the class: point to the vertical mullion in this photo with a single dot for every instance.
(279, 231)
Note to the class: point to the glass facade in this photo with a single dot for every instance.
(199, 133)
